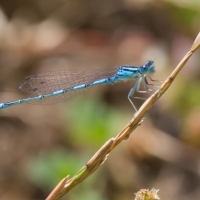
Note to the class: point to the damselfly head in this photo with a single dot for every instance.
(149, 67)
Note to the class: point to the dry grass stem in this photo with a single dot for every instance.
(101, 155)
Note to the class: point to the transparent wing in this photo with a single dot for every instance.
(49, 82)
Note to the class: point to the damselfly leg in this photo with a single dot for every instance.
(136, 88)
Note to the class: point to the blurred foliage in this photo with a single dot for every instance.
(92, 122)
(187, 98)
(47, 169)
(186, 17)
(92, 128)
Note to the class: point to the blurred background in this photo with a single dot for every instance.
(39, 145)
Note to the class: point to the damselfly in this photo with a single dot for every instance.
(54, 87)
